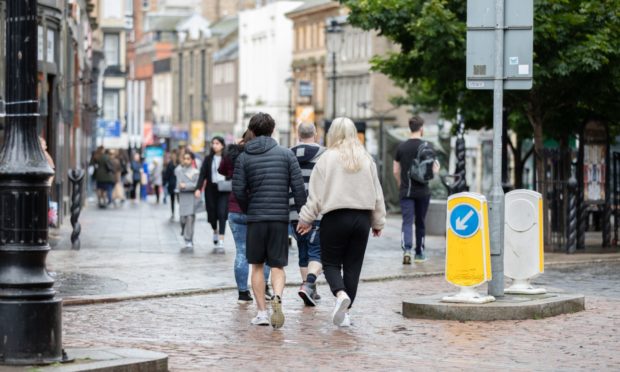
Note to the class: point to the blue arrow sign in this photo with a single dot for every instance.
(464, 220)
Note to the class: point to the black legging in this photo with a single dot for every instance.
(217, 208)
(344, 236)
(134, 187)
(173, 197)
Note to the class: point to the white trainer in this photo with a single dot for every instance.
(347, 320)
(261, 319)
(342, 304)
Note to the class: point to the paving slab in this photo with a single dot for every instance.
(508, 307)
(104, 360)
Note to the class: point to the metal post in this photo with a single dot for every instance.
(382, 149)
(30, 315)
(496, 206)
(571, 225)
(76, 176)
(334, 115)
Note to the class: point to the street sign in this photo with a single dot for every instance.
(464, 220)
(518, 44)
(523, 240)
(468, 256)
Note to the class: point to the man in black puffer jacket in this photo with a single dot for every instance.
(262, 177)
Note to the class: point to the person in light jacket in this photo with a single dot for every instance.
(187, 176)
(345, 189)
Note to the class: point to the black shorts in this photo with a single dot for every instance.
(267, 242)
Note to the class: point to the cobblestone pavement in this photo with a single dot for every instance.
(212, 332)
(134, 251)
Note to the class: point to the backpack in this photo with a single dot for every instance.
(421, 169)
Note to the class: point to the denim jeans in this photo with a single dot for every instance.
(414, 208)
(309, 245)
(238, 226)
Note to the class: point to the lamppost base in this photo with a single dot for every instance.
(31, 332)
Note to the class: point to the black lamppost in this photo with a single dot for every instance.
(30, 315)
(334, 33)
(290, 84)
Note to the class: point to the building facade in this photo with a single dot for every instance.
(265, 57)
(361, 94)
(309, 85)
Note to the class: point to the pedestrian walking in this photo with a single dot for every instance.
(237, 220)
(104, 176)
(118, 192)
(345, 189)
(170, 181)
(157, 179)
(414, 165)
(308, 245)
(262, 177)
(136, 176)
(217, 190)
(187, 176)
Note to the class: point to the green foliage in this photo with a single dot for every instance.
(576, 61)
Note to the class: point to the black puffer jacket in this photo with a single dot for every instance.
(263, 174)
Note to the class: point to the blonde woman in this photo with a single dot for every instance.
(345, 189)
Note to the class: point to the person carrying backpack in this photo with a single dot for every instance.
(415, 165)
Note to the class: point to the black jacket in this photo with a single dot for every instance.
(168, 176)
(205, 172)
(263, 174)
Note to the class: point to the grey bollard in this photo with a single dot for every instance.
(76, 176)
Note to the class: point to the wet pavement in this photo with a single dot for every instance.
(212, 332)
(133, 251)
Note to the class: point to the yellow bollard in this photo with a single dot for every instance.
(468, 255)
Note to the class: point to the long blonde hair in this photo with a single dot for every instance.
(342, 137)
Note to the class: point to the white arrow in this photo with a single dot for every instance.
(461, 224)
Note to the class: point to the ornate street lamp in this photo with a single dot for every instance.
(334, 33)
(30, 315)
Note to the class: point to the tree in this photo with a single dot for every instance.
(576, 63)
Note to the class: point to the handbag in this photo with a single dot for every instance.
(224, 186)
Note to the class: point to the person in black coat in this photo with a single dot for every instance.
(263, 174)
(216, 196)
(170, 181)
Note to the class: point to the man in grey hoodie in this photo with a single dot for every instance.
(263, 174)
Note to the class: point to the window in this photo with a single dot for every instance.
(111, 105)
(191, 64)
(113, 9)
(128, 7)
(111, 49)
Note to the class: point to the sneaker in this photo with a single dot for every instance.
(342, 304)
(346, 322)
(407, 258)
(189, 248)
(220, 247)
(307, 292)
(261, 319)
(268, 295)
(316, 296)
(419, 257)
(277, 316)
(244, 298)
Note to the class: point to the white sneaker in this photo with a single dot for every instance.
(342, 304)
(261, 319)
(347, 320)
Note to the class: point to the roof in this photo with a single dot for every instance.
(225, 26)
(228, 53)
(164, 22)
(311, 4)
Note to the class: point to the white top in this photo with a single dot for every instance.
(215, 164)
(332, 187)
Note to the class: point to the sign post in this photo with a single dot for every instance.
(468, 259)
(499, 56)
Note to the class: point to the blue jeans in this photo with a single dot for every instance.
(309, 245)
(239, 227)
(414, 208)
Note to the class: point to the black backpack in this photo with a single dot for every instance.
(421, 169)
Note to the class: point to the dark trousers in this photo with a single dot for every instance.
(414, 208)
(156, 191)
(134, 188)
(344, 236)
(173, 197)
(217, 208)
